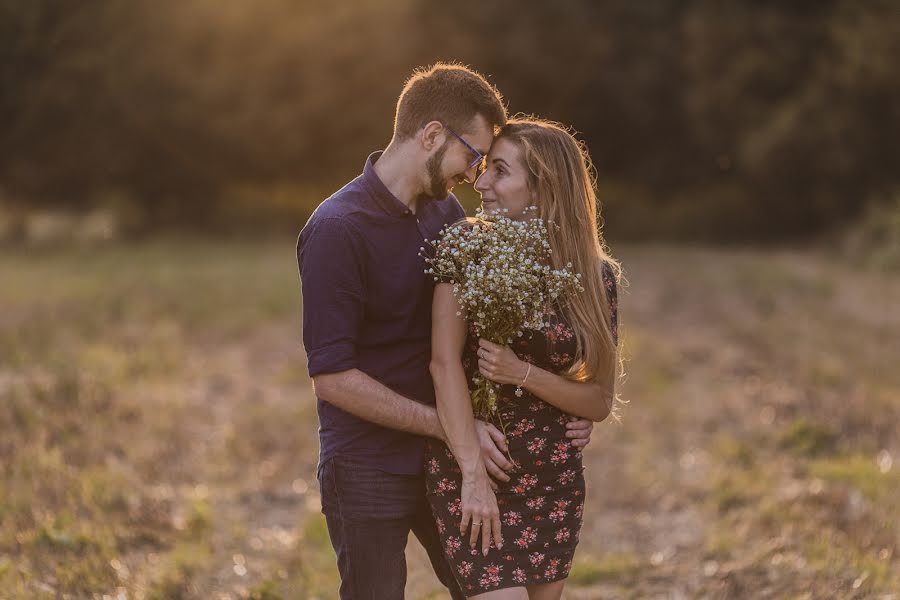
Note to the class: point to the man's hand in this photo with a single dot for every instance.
(579, 431)
(493, 450)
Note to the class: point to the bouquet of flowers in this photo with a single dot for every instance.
(502, 279)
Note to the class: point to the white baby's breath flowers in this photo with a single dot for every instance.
(501, 275)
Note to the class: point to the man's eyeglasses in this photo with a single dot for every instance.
(478, 161)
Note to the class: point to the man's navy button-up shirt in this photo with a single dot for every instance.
(367, 306)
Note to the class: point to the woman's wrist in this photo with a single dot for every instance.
(521, 384)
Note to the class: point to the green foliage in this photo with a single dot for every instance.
(184, 561)
(266, 590)
(201, 518)
(706, 120)
(861, 473)
(808, 439)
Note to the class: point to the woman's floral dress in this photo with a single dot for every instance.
(542, 506)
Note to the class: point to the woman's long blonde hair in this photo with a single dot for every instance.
(561, 177)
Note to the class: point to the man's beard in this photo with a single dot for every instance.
(437, 183)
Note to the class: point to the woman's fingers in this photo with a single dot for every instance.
(487, 355)
(486, 369)
(489, 345)
(486, 530)
(464, 523)
(476, 530)
(495, 531)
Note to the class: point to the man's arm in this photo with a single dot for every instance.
(332, 280)
(366, 398)
(363, 396)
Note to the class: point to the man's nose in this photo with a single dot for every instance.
(472, 174)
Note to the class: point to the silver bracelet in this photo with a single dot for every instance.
(519, 391)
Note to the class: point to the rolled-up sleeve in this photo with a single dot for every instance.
(332, 281)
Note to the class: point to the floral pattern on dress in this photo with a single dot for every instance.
(542, 506)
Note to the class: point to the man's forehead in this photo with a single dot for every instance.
(482, 134)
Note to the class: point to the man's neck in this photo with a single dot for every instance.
(395, 168)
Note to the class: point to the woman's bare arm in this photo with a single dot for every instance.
(479, 505)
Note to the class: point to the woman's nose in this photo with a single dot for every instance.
(481, 183)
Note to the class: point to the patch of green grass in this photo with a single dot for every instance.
(314, 568)
(106, 490)
(862, 473)
(737, 488)
(315, 531)
(831, 557)
(183, 562)
(609, 567)
(73, 553)
(730, 495)
(200, 520)
(267, 589)
(734, 451)
(722, 541)
(809, 439)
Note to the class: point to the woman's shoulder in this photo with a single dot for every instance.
(609, 273)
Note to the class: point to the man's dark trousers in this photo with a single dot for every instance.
(369, 515)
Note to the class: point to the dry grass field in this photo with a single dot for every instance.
(158, 432)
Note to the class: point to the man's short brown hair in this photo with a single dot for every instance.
(450, 93)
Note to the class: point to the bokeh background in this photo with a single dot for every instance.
(157, 159)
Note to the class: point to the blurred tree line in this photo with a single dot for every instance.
(706, 120)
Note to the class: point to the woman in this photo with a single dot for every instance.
(517, 539)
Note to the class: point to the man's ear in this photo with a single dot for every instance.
(431, 134)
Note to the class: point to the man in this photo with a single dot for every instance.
(367, 322)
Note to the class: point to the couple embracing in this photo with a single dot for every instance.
(496, 501)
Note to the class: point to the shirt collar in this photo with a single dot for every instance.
(382, 195)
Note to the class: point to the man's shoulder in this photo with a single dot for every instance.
(339, 209)
(344, 203)
(335, 216)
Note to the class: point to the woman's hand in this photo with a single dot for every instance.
(499, 363)
(479, 508)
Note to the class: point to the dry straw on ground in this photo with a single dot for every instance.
(157, 430)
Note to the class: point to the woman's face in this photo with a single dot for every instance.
(504, 184)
